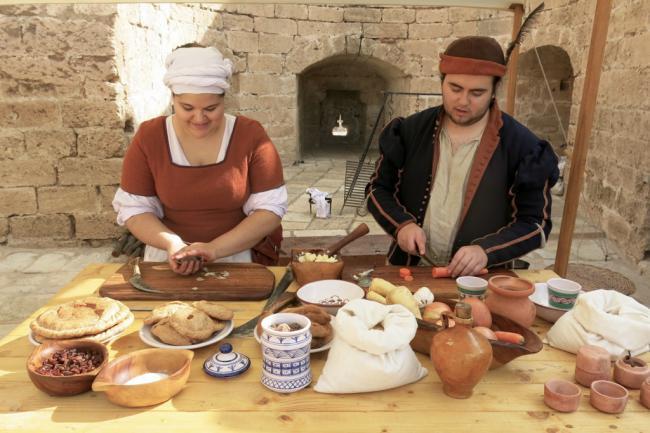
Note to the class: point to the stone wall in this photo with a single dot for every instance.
(77, 80)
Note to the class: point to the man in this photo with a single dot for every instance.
(463, 183)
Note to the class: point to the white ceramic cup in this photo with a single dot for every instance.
(562, 293)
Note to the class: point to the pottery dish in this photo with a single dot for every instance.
(306, 272)
(144, 377)
(562, 395)
(631, 372)
(64, 385)
(644, 395)
(329, 295)
(608, 397)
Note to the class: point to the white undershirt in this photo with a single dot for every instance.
(127, 205)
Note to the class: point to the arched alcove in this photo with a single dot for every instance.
(534, 105)
(346, 85)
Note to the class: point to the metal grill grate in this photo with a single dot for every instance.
(357, 197)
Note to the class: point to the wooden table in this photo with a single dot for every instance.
(508, 399)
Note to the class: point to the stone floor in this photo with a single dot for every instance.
(29, 277)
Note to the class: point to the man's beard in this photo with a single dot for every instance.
(471, 120)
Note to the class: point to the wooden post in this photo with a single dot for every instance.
(518, 10)
(583, 133)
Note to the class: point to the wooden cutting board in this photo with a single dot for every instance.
(245, 281)
(443, 288)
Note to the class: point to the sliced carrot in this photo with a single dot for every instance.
(404, 272)
(510, 337)
(441, 272)
(408, 278)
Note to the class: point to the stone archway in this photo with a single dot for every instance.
(534, 106)
(347, 85)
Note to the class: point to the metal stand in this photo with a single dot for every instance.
(355, 191)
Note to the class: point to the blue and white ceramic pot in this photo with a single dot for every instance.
(285, 354)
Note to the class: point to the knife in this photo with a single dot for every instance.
(247, 328)
(136, 280)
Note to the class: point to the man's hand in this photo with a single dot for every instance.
(411, 238)
(468, 260)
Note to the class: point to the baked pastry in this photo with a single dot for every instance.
(167, 334)
(214, 310)
(192, 323)
(164, 311)
(88, 316)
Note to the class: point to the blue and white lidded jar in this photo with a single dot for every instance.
(285, 353)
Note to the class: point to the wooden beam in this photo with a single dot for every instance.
(518, 10)
(583, 133)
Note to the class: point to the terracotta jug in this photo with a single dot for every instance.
(508, 297)
(460, 355)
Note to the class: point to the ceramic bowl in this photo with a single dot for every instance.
(511, 286)
(562, 293)
(562, 395)
(144, 377)
(64, 385)
(608, 397)
(307, 272)
(631, 372)
(645, 393)
(593, 359)
(471, 286)
(319, 292)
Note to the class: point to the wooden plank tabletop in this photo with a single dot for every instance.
(508, 399)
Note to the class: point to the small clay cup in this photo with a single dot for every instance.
(631, 372)
(645, 393)
(562, 395)
(592, 363)
(608, 397)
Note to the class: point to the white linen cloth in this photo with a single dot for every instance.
(197, 70)
(127, 205)
(366, 357)
(604, 318)
(318, 196)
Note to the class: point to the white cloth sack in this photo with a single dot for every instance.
(604, 318)
(318, 196)
(364, 359)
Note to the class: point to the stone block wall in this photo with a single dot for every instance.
(77, 80)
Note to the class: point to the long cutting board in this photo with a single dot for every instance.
(443, 288)
(244, 281)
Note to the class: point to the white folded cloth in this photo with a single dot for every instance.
(604, 318)
(370, 351)
(318, 196)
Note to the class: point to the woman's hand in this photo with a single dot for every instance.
(190, 259)
(411, 239)
(468, 260)
(182, 261)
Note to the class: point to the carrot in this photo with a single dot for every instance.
(408, 278)
(404, 272)
(443, 272)
(510, 337)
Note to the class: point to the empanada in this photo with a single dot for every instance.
(214, 310)
(163, 311)
(167, 334)
(193, 323)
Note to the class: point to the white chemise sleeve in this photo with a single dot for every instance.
(274, 200)
(127, 205)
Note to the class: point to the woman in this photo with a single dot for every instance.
(201, 183)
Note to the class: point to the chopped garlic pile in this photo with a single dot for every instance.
(319, 258)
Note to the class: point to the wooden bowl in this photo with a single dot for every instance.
(63, 385)
(307, 272)
(502, 352)
(172, 368)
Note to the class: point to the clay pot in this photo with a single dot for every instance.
(592, 363)
(562, 395)
(460, 355)
(608, 397)
(308, 272)
(645, 393)
(508, 297)
(631, 372)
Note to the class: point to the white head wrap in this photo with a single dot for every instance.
(197, 70)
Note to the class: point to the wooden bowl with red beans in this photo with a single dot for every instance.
(66, 367)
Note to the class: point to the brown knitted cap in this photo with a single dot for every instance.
(473, 55)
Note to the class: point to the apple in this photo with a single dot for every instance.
(433, 311)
